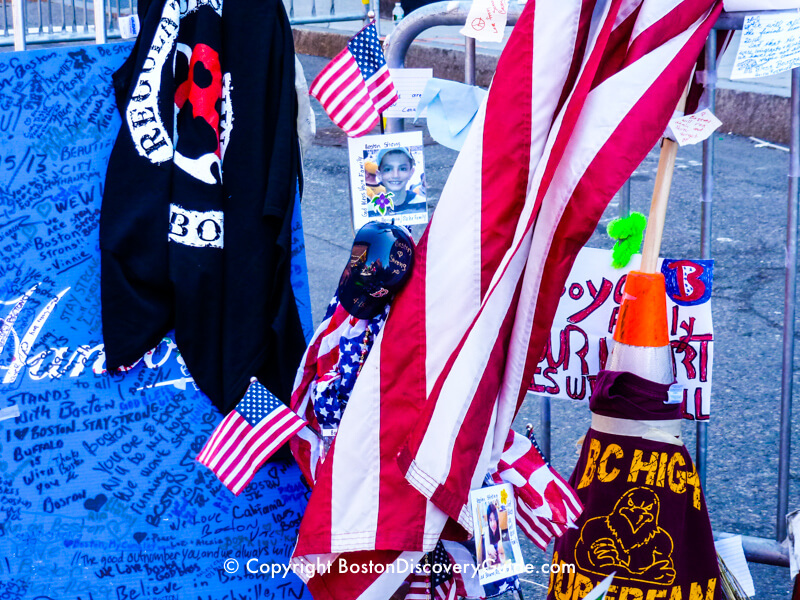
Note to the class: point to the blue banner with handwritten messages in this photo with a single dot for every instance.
(100, 495)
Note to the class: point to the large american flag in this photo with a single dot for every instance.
(356, 87)
(582, 92)
(248, 436)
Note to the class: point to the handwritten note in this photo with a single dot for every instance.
(410, 84)
(770, 44)
(100, 495)
(730, 550)
(740, 5)
(695, 128)
(486, 21)
(581, 338)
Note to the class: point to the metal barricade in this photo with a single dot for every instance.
(57, 21)
(756, 549)
(39, 22)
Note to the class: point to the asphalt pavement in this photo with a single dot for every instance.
(748, 245)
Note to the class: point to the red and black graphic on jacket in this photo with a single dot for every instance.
(198, 104)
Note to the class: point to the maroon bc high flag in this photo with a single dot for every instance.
(583, 91)
(356, 87)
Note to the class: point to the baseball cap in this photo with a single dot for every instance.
(380, 264)
(401, 149)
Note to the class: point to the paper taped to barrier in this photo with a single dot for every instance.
(770, 44)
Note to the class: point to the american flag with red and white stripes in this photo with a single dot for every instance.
(248, 436)
(355, 87)
(583, 91)
(326, 377)
(546, 504)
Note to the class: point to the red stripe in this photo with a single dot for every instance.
(401, 509)
(679, 19)
(617, 48)
(582, 37)
(314, 535)
(506, 146)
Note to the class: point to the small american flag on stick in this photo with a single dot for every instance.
(248, 436)
(356, 87)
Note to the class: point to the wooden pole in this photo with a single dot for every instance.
(658, 205)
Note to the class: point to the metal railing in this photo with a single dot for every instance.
(756, 549)
(29, 22)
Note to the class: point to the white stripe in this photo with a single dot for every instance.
(334, 69)
(652, 12)
(387, 583)
(235, 428)
(460, 203)
(355, 491)
(554, 40)
(626, 9)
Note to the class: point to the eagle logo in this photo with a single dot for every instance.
(628, 541)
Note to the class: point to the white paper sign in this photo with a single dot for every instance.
(731, 551)
(486, 21)
(740, 5)
(495, 529)
(581, 339)
(770, 44)
(695, 128)
(410, 84)
(129, 27)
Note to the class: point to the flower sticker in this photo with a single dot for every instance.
(383, 201)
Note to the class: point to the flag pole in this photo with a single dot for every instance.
(658, 205)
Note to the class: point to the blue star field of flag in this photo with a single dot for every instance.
(353, 350)
(367, 51)
(258, 402)
(445, 573)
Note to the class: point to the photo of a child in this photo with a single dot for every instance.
(394, 170)
(497, 550)
(388, 179)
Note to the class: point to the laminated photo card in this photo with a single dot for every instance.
(494, 521)
(387, 179)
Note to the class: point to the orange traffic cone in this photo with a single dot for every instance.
(641, 336)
